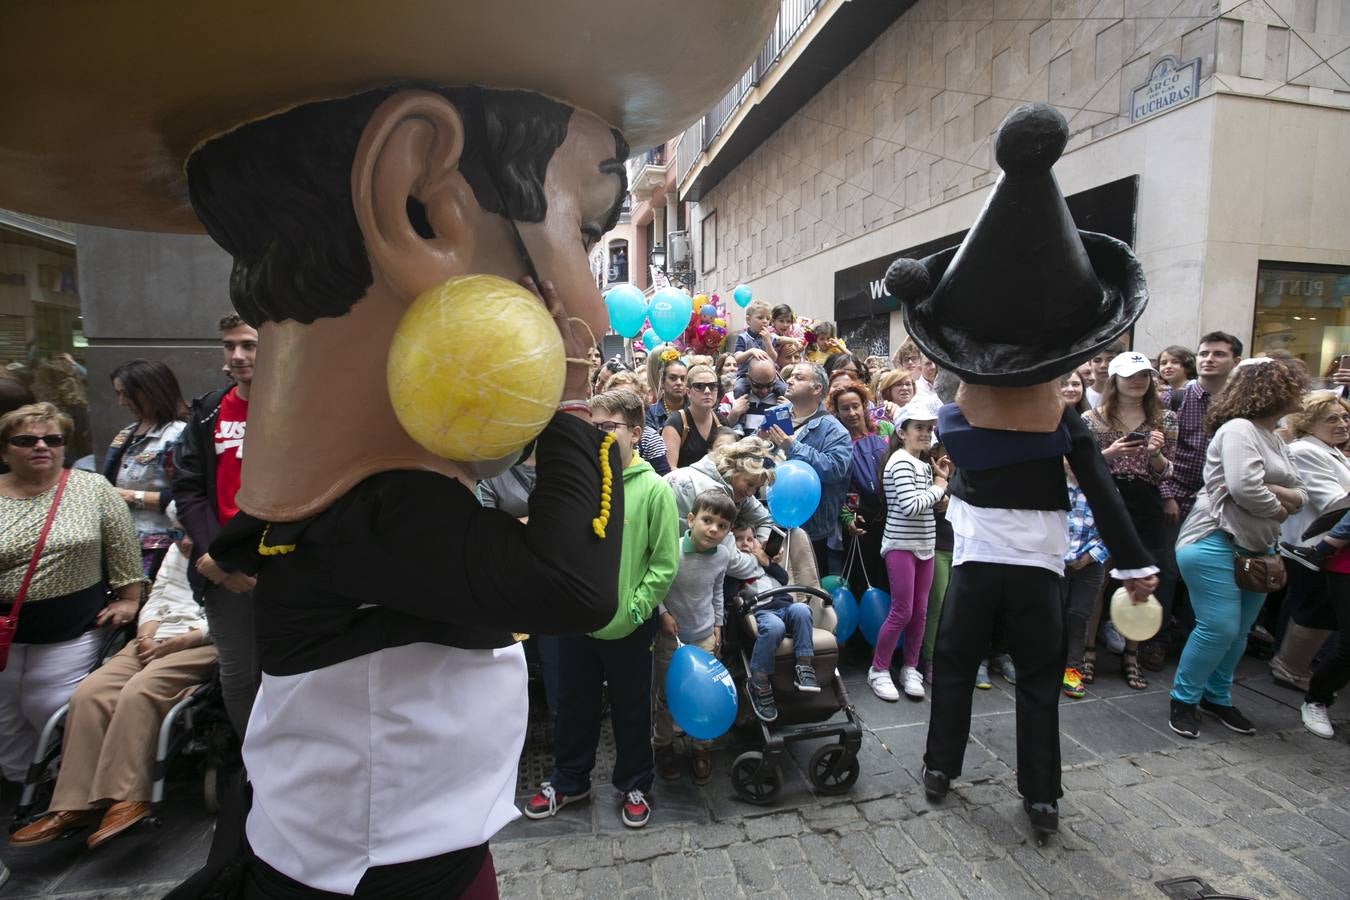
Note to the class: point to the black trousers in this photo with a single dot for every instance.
(1021, 604)
(1334, 672)
(584, 666)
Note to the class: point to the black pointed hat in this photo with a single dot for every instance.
(1027, 296)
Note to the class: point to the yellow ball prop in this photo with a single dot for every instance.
(476, 368)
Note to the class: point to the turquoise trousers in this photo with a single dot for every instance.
(1223, 616)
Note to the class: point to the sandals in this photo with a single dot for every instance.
(1129, 671)
(1087, 670)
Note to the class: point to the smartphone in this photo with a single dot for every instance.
(1140, 437)
(780, 416)
(1344, 363)
(774, 542)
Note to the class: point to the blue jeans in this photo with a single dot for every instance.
(773, 625)
(1342, 529)
(1223, 616)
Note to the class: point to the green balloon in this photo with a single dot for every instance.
(830, 582)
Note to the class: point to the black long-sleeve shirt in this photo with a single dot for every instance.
(410, 556)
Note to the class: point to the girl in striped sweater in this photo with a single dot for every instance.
(913, 487)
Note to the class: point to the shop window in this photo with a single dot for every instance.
(1305, 310)
(708, 249)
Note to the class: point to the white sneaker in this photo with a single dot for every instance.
(1315, 719)
(912, 683)
(881, 684)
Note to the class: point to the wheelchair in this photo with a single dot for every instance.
(196, 726)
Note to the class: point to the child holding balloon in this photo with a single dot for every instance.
(693, 614)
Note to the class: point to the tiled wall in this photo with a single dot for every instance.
(908, 124)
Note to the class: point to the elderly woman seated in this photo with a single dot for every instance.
(115, 714)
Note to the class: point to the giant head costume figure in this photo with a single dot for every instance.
(384, 175)
(339, 153)
(1026, 296)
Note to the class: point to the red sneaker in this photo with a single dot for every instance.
(636, 809)
(548, 801)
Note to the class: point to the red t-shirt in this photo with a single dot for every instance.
(229, 440)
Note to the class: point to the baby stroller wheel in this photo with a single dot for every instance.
(754, 780)
(830, 772)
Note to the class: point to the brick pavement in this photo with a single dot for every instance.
(1265, 816)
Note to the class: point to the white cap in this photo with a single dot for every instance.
(920, 409)
(1129, 363)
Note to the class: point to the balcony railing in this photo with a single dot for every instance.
(792, 16)
(653, 157)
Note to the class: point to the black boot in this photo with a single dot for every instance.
(935, 784)
(1044, 818)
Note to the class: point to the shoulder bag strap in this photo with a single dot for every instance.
(37, 551)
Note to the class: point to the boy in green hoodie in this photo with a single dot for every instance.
(620, 653)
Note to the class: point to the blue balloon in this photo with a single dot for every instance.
(650, 340)
(627, 309)
(669, 312)
(742, 296)
(700, 694)
(873, 609)
(846, 611)
(794, 494)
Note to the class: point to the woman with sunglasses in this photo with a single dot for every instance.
(688, 432)
(58, 637)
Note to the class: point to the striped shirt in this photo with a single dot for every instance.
(910, 498)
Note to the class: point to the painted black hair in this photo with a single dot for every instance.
(276, 193)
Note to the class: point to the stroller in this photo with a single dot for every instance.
(756, 775)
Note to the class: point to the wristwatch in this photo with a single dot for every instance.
(138, 499)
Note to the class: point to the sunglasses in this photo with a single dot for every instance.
(29, 441)
(704, 386)
(756, 386)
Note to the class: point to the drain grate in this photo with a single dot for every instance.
(1193, 887)
(536, 758)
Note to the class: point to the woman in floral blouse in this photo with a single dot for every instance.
(1138, 439)
(139, 462)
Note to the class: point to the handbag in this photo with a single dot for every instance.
(1260, 574)
(10, 623)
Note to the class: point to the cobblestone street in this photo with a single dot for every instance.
(1260, 817)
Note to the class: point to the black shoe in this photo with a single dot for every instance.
(1044, 817)
(806, 679)
(1310, 555)
(761, 699)
(1185, 719)
(935, 784)
(1230, 717)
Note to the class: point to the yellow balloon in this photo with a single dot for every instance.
(476, 368)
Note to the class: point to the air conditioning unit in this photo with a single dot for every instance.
(678, 253)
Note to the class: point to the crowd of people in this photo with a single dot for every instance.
(1213, 455)
(87, 555)
(1197, 444)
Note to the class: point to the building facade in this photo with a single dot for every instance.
(1213, 135)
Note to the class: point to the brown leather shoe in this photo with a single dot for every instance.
(52, 826)
(119, 817)
(666, 765)
(702, 765)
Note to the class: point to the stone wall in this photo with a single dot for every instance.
(907, 125)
